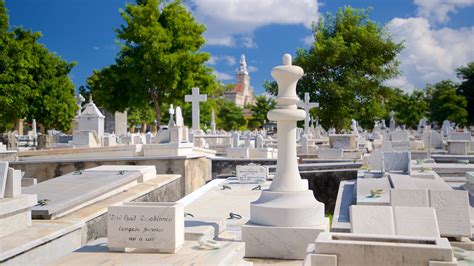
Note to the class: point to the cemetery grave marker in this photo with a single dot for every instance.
(252, 173)
(146, 225)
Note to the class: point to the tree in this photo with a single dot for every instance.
(446, 104)
(410, 108)
(231, 116)
(260, 109)
(159, 61)
(346, 67)
(466, 89)
(34, 82)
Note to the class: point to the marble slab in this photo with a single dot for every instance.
(416, 221)
(366, 185)
(13, 185)
(276, 242)
(402, 181)
(197, 227)
(146, 225)
(147, 171)
(409, 197)
(66, 193)
(376, 220)
(396, 161)
(452, 209)
(355, 249)
(3, 178)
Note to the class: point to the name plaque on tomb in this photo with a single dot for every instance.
(146, 225)
(252, 173)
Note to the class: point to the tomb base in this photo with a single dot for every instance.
(277, 242)
(168, 149)
(15, 213)
(292, 209)
(338, 249)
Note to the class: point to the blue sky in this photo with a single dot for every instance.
(438, 34)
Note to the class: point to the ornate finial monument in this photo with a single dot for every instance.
(288, 209)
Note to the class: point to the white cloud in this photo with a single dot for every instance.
(96, 48)
(222, 76)
(228, 59)
(249, 42)
(252, 69)
(438, 10)
(232, 22)
(430, 55)
(308, 40)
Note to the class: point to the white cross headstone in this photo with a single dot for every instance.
(195, 98)
(307, 105)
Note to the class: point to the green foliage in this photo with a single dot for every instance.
(446, 104)
(260, 110)
(466, 89)
(34, 82)
(410, 108)
(346, 67)
(159, 61)
(230, 116)
(138, 116)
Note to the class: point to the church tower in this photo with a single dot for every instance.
(242, 76)
(242, 94)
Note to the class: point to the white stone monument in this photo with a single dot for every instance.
(307, 105)
(213, 122)
(286, 217)
(195, 98)
(392, 121)
(90, 129)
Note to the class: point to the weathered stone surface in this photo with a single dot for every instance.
(452, 209)
(147, 225)
(416, 221)
(372, 220)
(409, 197)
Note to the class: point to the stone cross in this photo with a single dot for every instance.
(171, 112)
(195, 98)
(307, 105)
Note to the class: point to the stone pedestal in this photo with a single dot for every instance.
(458, 147)
(279, 242)
(287, 217)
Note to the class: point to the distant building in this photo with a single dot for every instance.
(242, 94)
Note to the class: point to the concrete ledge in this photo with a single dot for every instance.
(96, 253)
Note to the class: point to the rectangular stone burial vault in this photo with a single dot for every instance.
(72, 191)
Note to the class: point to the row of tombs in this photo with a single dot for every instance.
(402, 217)
(397, 210)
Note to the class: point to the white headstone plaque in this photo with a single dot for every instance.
(146, 225)
(252, 173)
